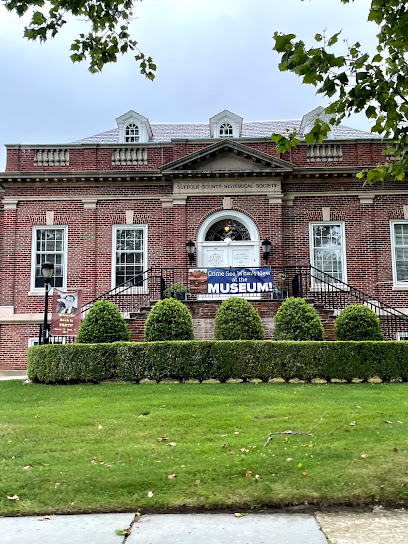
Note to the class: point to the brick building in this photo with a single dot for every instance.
(111, 206)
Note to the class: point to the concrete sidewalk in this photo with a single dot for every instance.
(341, 527)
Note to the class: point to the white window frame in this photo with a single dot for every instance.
(40, 290)
(315, 281)
(143, 228)
(393, 248)
(135, 136)
(402, 336)
(221, 130)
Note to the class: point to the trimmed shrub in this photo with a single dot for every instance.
(103, 324)
(297, 320)
(358, 322)
(222, 360)
(237, 319)
(72, 363)
(169, 319)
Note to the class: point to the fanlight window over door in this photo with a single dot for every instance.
(227, 228)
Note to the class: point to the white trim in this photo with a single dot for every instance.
(402, 335)
(397, 285)
(144, 229)
(315, 283)
(40, 290)
(228, 214)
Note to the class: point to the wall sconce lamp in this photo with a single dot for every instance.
(190, 245)
(266, 246)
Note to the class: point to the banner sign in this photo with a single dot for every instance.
(66, 312)
(225, 281)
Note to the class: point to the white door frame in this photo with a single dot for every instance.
(228, 214)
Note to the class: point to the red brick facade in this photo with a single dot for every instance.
(90, 195)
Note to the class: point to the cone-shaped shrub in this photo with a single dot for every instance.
(237, 319)
(103, 324)
(169, 319)
(358, 322)
(297, 320)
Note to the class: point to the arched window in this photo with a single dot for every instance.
(131, 133)
(227, 228)
(226, 131)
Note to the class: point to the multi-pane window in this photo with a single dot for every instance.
(130, 254)
(399, 238)
(226, 131)
(327, 249)
(49, 244)
(132, 133)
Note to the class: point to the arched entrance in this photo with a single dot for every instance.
(228, 238)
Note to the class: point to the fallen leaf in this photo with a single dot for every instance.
(353, 423)
(299, 465)
(197, 482)
(239, 515)
(236, 432)
(386, 421)
(289, 459)
(286, 439)
(56, 484)
(257, 476)
(150, 493)
(230, 452)
(244, 450)
(121, 532)
(171, 476)
(364, 455)
(172, 444)
(27, 467)
(304, 473)
(14, 498)
(248, 473)
(46, 518)
(162, 438)
(395, 449)
(357, 406)
(224, 445)
(100, 427)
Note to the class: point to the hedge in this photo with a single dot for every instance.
(221, 360)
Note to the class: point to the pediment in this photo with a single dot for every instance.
(228, 156)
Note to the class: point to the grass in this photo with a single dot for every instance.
(95, 448)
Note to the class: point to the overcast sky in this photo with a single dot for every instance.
(210, 54)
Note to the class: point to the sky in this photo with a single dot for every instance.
(211, 55)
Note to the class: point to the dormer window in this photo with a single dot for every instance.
(134, 128)
(226, 131)
(225, 125)
(131, 133)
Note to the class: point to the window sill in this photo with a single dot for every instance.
(41, 292)
(400, 287)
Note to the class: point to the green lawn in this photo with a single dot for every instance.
(95, 447)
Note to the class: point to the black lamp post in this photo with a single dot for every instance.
(190, 245)
(266, 246)
(47, 270)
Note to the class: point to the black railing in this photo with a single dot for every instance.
(305, 281)
(334, 294)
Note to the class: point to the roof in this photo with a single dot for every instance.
(165, 132)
